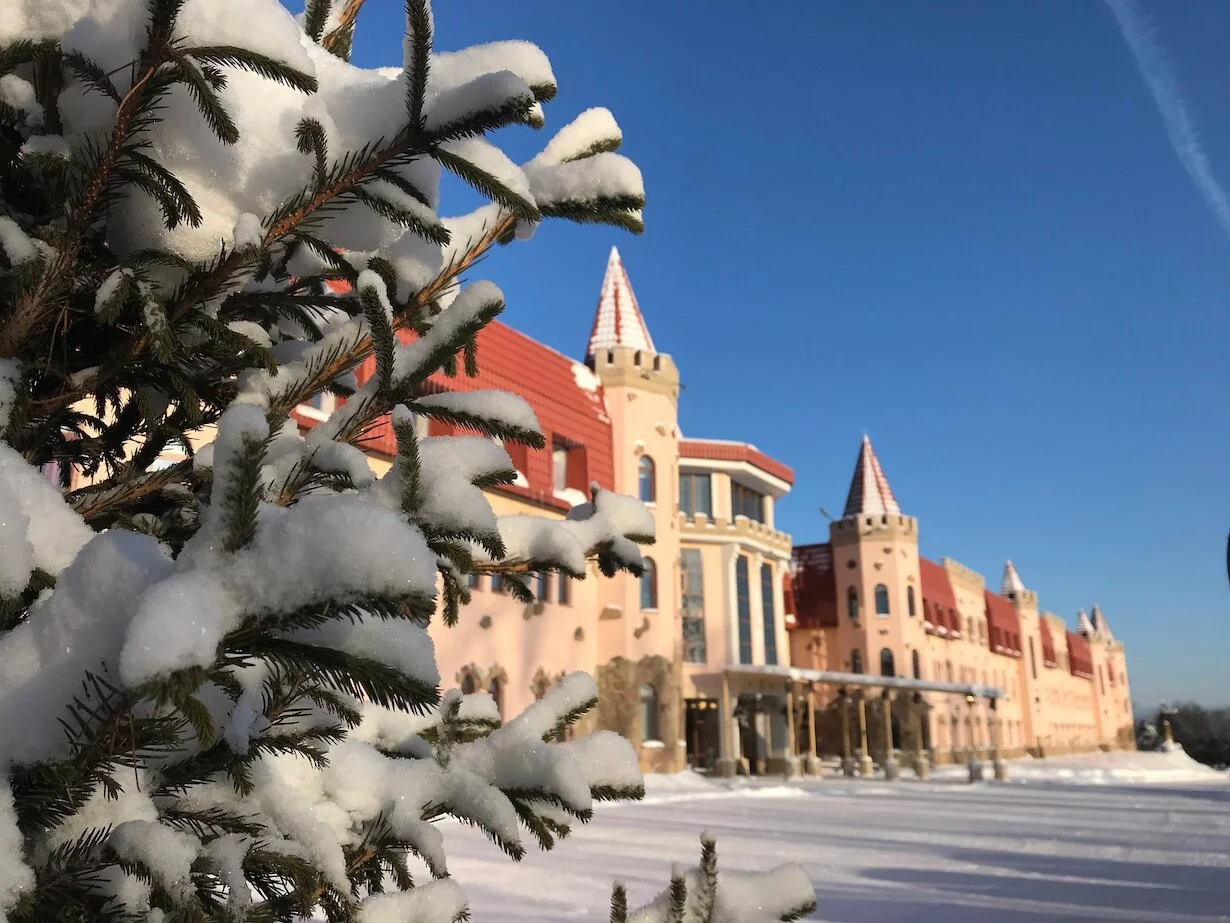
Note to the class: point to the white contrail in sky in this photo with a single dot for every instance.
(1154, 67)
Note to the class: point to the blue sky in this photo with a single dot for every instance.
(960, 227)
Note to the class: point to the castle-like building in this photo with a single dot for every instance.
(867, 602)
(738, 651)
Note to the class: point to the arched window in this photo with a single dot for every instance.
(856, 661)
(468, 686)
(917, 665)
(495, 689)
(649, 585)
(909, 602)
(646, 479)
(649, 713)
(768, 612)
(852, 603)
(887, 666)
(881, 599)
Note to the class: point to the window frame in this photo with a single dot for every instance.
(741, 496)
(887, 658)
(692, 605)
(688, 493)
(647, 480)
(649, 586)
(881, 596)
(651, 713)
(743, 608)
(768, 612)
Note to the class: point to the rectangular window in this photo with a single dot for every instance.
(770, 620)
(569, 466)
(746, 502)
(474, 578)
(497, 583)
(563, 586)
(692, 605)
(744, 600)
(559, 468)
(1033, 661)
(542, 586)
(695, 494)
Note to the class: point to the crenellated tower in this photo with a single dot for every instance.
(1030, 666)
(879, 594)
(639, 626)
(1114, 697)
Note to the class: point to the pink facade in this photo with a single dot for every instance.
(867, 602)
(723, 655)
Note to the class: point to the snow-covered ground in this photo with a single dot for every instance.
(1109, 837)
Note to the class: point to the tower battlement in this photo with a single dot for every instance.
(853, 528)
(967, 576)
(623, 366)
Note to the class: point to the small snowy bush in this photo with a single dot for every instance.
(218, 697)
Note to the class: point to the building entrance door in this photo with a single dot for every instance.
(702, 730)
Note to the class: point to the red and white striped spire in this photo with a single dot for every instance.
(618, 320)
(870, 494)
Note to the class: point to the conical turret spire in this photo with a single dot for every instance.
(1083, 625)
(618, 320)
(1099, 622)
(1012, 582)
(870, 494)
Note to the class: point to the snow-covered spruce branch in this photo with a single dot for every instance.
(701, 896)
(218, 696)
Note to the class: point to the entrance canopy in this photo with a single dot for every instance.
(800, 675)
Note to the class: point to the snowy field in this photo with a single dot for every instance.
(1103, 837)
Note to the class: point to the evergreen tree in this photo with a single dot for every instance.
(218, 697)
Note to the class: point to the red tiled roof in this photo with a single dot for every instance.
(736, 452)
(939, 601)
(814, 586)
(1048, 644)
(1080, 658)
(511, 361)
(1004, 625)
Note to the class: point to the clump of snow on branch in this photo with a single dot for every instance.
(739, 897)
(281, 637)
(15, 875)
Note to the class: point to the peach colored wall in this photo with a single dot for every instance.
(866, 554)
(495, 634)
(1056, 710)
(641, 392)
(720, 544)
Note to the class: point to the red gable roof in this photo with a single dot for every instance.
(1080, 657)
(939, 601)
(737, 452)
(1004, 625)
(814, 586)
(549, 382)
